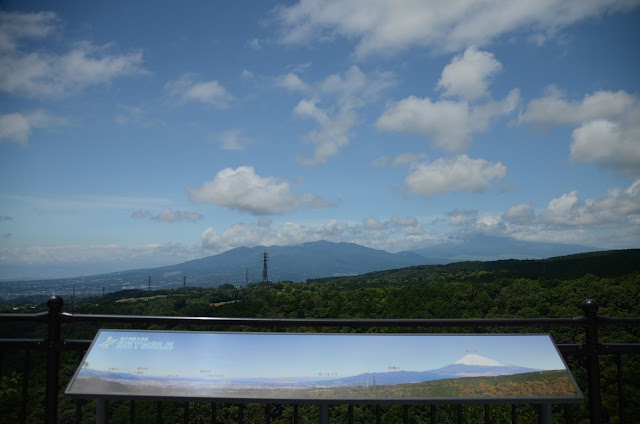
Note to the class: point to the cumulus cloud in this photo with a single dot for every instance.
(449, 124)
(263, 233)
(554, 109)
(58, 75)
(608, 126)
(292, 82)
(453, 174)
(343, 94)
(188, 88)
(611, 144)
(242, 189)
(612, 220)
(616, 207)
(393, 234)
(356, 88)
(521, 213)
(386, 27)
(468, 74)
(333, 135)
(458, 218)
(17, 127)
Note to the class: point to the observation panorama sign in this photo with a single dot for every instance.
(324, 368)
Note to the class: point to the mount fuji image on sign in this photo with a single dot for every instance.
(347, 367)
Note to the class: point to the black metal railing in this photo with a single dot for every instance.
(591, 350)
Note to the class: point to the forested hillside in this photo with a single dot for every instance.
(550, 288)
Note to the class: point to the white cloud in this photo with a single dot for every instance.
(356, 88)
(467, 76)
(169, 215)
(617, 207)
(232, 139)
(333, 135)
(522, 213)
(453, 174)
(611, 144)
(393, 234)
(42, 74)
(139, 214)
(242, 189)
(16, 26)
(387, 27)
(408, 225)
(344, 94)
(608, 126)
(248, 74)
(553, 109)
(98, 258)
(188, 89)
(448, 124)
(611, 221)
(458, 218)
(292, 82)
(16, 127)
(255, 44)
(399, 159)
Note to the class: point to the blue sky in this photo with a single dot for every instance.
(243, 356)
(146, 134)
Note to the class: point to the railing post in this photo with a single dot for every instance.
(590, 308)
(53, 359)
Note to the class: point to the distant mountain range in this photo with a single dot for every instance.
(471, 365)
(314, 260)
(481, 247)
(285, 263)
(328, 259)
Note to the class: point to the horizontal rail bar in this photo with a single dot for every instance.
(571, 349)
(625, 321)
(327, 322)
(578, 321)
(626, 348)
(38, 316)
(23, 344)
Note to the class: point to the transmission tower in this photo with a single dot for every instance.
(265, 277)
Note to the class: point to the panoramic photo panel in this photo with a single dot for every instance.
(310, 366)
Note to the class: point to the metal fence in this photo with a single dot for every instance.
(589, 352)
